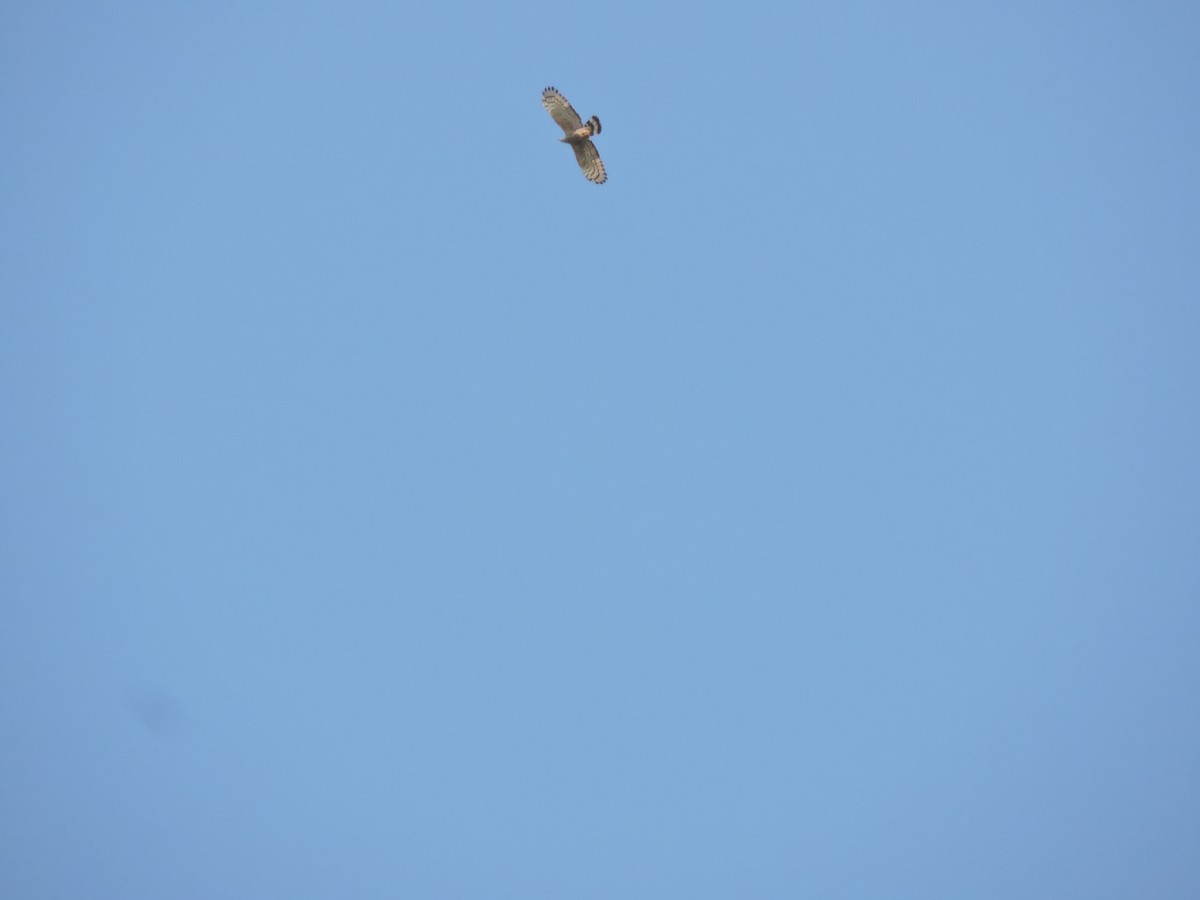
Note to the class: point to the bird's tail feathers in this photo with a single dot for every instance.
(593, 125)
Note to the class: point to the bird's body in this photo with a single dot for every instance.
(581, 134)
(578, 134)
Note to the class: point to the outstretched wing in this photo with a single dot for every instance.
(561, 111)
(588, 158)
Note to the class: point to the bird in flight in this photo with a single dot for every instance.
(579, 134)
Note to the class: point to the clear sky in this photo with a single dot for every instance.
(813, 510)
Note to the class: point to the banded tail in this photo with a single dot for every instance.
(593, 125)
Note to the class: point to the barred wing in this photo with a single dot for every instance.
(588, 158)
(561, 111)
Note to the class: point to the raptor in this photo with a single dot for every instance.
(578, 134)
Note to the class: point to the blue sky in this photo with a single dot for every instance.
(812, 510)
